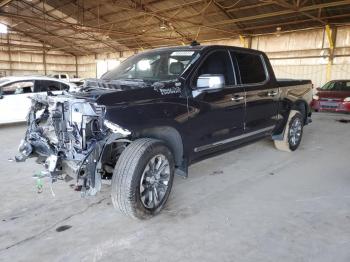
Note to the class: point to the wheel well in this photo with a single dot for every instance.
(302, 107)
(170, 136)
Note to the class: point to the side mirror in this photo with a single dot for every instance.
(208, 82)
(318, 88)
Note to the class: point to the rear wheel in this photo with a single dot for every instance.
(143, 178)
(293, 132)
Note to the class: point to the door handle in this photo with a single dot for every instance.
(237, 98)
(272, 93)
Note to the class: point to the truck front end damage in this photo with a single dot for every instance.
(69, 135)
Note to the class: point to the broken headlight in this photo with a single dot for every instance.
(116, 128)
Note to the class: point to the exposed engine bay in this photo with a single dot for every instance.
(71, 137)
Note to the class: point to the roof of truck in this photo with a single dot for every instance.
(201, 47)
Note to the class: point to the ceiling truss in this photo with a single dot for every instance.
(81, 27)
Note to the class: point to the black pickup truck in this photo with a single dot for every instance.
(157, 113)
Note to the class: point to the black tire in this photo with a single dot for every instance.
(129, 170)
(297, 117)
(287, 143)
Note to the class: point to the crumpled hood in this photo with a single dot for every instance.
(111, 93)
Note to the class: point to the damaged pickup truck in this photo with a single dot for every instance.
(157, 113)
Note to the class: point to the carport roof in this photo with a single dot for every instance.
(82, 27)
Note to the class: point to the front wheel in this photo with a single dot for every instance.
(292, 134)
(142, 178)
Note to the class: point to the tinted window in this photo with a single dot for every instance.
(337, 86)
(216, 63)
(251, 67)
(46, 85)
(64, 87)
(18, 88)
(63, 76)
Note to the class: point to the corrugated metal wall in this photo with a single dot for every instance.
(302, 54)
(20, 55)
(87, 64)
(317, 73)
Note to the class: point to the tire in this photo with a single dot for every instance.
(136, 176)
(293, 132)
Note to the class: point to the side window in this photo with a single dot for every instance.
(347, 86)
(251, 67)
(18, 88)
(216, 63)
(45, 85)
(341, 86)
(64, 87)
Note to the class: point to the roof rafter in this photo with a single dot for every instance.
(295, 8)
(4, 2)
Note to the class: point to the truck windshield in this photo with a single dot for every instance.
(153, 67)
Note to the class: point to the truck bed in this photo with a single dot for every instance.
(292, 82)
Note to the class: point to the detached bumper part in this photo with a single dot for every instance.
(51, 163)
(25, 149)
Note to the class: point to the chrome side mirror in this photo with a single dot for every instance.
(210, 82)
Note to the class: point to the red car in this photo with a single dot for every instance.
(333, 96)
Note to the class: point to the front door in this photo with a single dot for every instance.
(216, 117)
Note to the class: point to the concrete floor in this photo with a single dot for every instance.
(251, 204)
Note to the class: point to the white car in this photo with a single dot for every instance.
(14, 93)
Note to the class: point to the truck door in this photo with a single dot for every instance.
(215, 117)
(261, 91)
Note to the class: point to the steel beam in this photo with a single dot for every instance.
(331, 37)
(4, 2)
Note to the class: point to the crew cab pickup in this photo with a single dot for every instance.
(157, 113)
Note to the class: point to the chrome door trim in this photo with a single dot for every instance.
(229, 140)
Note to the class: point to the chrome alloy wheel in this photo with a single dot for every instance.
(295, 132)
(154, 181)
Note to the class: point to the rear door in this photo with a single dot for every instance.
(262, 94)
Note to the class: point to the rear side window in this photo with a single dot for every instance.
(251, 67)
(341, 86)
(337, 86)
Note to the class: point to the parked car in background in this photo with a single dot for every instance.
(65, 77)
(14, 93)
(333, 96)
